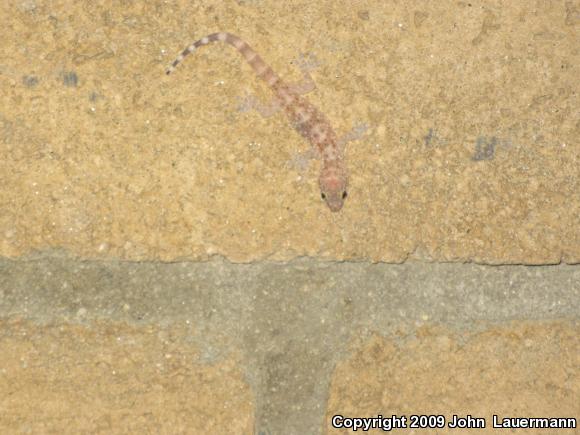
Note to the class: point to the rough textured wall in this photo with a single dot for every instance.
(512, 371)
(472, 154)
(472, 151)
(216, 347)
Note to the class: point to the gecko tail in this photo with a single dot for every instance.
(260, 67)
(194, 46)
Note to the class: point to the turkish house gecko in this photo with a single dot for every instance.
(304, 117)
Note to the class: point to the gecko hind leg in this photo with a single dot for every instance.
(251, 102)
(307, 64)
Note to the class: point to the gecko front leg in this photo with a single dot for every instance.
(355, 133)
(302, 160)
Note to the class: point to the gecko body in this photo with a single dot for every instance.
(304, 117)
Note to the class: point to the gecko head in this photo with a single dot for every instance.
(333, 186)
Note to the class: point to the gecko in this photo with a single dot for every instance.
(306, 118)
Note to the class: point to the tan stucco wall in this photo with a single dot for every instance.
(472, 151)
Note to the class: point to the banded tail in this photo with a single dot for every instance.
(261, 68)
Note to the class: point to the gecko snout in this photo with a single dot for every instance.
(333, 190)
(334, 201)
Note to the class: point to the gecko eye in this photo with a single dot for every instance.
(344, 194)
(323, 195)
